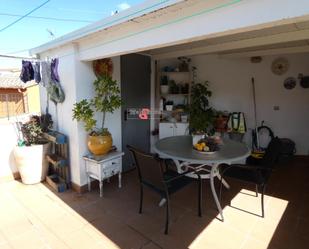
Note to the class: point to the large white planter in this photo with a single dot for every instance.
(31, 162)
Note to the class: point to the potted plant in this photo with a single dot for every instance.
(30, 153)
(174, 88)
(201, 115)
(169, 105)
(164, 85)
(106, 100)
(220, 122)
(184, 64)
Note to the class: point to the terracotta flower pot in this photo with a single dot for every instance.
(100, 145)
(31, 162)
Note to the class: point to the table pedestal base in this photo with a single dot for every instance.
(209, 174)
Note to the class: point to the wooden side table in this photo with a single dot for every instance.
(103, 167)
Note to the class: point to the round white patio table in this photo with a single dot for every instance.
(180, 150)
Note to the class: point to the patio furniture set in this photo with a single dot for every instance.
(176, 164)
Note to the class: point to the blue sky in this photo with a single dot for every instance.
(31, 32)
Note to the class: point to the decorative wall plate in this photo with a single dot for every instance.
(103, 67)
(280, 66)
(289, 83)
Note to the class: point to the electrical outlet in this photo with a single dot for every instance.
(276, 108)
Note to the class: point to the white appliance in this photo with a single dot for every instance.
(173, 129)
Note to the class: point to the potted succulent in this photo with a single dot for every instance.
(30, 153)
(201, 115)
(106, 100)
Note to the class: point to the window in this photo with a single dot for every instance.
(12, 104)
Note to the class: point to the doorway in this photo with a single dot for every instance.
(135, 93)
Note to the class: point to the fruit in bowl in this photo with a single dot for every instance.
(206, 145)
(201, 146)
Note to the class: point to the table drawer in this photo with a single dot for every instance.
(93, 168)
(112, 163)
(108, 172)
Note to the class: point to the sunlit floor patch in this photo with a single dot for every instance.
(243, 225)
(34, 217)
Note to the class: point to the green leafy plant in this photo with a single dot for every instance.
(32, 132)
(106, 100)
(82, 112)
(201, 115)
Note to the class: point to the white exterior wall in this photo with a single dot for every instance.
(230, 82)
(76, 78)
(85, 90)
(63, 116)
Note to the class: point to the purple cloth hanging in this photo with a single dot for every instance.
(54, 70)
(27, 73)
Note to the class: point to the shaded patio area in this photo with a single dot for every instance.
(36, 217)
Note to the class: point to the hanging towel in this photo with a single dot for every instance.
(46, 73)
(54, 70)
(37, 73)
(55, 90)
(27, 72)
(56, 93)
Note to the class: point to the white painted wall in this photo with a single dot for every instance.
(230, 82)
(85, 90)
(63, 113)
(76, 78)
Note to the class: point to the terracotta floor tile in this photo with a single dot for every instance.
(5, 246)
(3, 240)
(302, 228)
(151, 245)
(273, 234)
(35, 216)
(82, 240)
(251, 243)
(217, 235)
(30, 240)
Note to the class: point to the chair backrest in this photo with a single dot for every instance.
(149, 168)
(272, 153)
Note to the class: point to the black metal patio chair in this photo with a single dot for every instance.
(257, 174)
(153, 174)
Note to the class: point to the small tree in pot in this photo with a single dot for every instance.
(106, 100)
(201, 115)
(30, 153)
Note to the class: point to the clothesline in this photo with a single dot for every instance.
(19, 57)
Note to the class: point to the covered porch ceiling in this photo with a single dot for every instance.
(281, 39)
